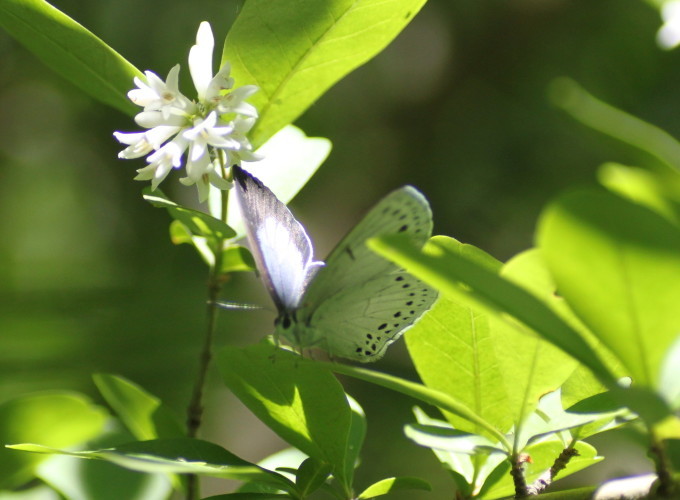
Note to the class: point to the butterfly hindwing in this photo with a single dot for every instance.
(282, 250)
(360, 302)
(361, 322)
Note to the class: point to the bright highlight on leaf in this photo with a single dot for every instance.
(294, 67)
(70, 50)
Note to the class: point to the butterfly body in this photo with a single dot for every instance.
(355, 304)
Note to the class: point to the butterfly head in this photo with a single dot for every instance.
(288, 328)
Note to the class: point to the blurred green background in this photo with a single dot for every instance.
(457, 106)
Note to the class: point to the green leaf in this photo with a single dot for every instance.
(536, 366)
(178, 456)
(469, 471)
(651, 408)
(248, 496)
(283, 461)
(100, 480)
(290, 160)
(459, 277)
(589, 110)
(295, 50)
(180, 234)
(237, 258)
(311, 475)
(446, 438)
(452, 349)
(299, 400)
(144, 415)
(71, 51)
(617, 264)
(357, 433)
(197, 222)
(550, 418)
(55, 418)
(640, 186)
(418, 391)
(385, 486)
(669, 376)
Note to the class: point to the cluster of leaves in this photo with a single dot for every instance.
(593, 303)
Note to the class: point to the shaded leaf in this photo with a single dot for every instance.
(174, 456)
(311, 475)
(55, 418)
(599, 115)
(100, 480)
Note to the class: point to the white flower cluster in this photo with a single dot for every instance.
(213, 129)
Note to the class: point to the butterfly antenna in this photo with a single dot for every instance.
(235, 306)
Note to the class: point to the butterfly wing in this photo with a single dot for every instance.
(359, 302)
(281, 247)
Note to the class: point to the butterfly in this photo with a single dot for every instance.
(356, 303)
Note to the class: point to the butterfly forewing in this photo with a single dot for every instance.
(280, 245)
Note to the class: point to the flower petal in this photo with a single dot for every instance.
(200, 59)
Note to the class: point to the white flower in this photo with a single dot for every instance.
(212, 128)
(668, 36)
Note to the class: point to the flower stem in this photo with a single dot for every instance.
(195, 409)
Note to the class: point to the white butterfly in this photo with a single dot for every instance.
(356, 304)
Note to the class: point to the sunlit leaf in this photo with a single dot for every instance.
(391, 484)
(295, 50)
(299, 400)
(459, 277)
(420, 392)
(617, 264)
(639, 185)
(237, 258)
(452, 349)
(469, 471)
(144, 415)
(199, 223)
(71, 51)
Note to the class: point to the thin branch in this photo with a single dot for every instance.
(548, 476)
(517, 472)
